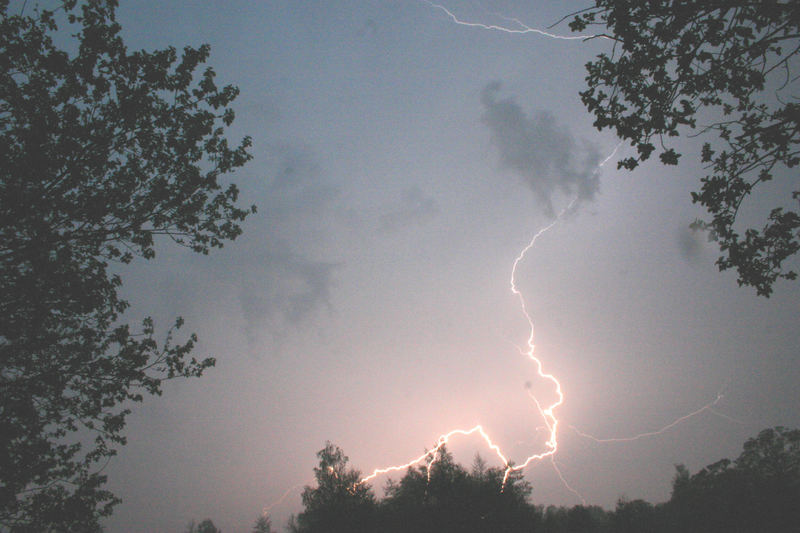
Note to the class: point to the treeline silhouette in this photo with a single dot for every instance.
(757, 492)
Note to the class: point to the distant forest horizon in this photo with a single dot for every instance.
(756, 492)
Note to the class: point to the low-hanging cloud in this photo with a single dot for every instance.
(692, 243)
(282, 290)
(282, 280)
(540, 151)
(413, 207)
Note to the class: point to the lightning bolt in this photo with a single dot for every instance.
(433, 455)
(521, 28)
(564, 481)
(266, 510)
(707, 407)
(547, 413)
(430, 457)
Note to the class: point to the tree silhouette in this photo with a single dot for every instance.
(576, 519)
(634, 516)
(206, 526)
(430, 498)
(721, 68)
(758, 491)
(102, 151)
(339, 503)
(448, 498)
(263, 525)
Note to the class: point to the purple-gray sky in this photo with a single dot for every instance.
(402, 161)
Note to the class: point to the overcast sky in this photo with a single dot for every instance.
(402, 161)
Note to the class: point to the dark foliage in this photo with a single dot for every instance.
(263, 525)
(101, 151)
(339, 503)
(757, 492)
(635, 516)
(722, 68)
(454, 499)
(446, 499)
(206, 526)
(577, 519)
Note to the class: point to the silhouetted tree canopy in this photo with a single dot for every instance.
(759, 491)
(450, 498)
(206, 526)
(634, 516)
(756, 493)
(712, 68)
(101, 151)
(339, 503)
(263, 525)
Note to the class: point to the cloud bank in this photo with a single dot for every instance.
(540, 151)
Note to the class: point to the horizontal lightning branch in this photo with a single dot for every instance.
(433, 454)
(520, 29)
(707, 407)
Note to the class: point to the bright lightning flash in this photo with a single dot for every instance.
(430, 457)
(548, 415)
(547, 412)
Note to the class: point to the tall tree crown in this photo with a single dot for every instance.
(102, 150)
(715, 68)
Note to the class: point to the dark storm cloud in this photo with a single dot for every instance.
(540, 151)
(283, 289)
(413, 207)
(297, 185)
(691, 243)
(284, 282)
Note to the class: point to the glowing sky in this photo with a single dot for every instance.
(402, 161)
